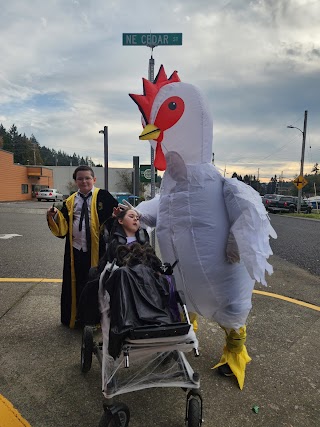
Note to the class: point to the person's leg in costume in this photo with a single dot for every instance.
(235, 354)
(81, 266)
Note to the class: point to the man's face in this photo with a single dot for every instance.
(85, 181)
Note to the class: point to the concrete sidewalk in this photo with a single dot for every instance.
(40, 363)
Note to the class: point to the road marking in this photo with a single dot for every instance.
(292, 300)
(267, 294)
(9, 236)
(10, 416)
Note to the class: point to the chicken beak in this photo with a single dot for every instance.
(150, 132)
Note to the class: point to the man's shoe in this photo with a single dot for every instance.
(225, 370)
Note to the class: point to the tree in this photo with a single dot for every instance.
(27, 151)
(312, 185)
(125, 181)
(272, 185)
(72, 187)
(315, 169)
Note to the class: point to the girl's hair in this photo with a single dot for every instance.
(137, 254)
(121, 214)
(116, 226)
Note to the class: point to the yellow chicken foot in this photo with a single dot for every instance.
(235, 353)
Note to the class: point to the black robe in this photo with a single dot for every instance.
(102, 205)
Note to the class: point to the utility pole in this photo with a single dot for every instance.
(303, 151)
(302, 157)
(304, 133)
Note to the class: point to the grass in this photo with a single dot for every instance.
(314, 214)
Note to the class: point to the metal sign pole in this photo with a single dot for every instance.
(151, 79)
(152, 40)
(106, 156)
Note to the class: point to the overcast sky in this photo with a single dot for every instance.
(64, 75)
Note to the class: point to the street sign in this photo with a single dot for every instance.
(145, 174)
(152, 39)
(300, 182)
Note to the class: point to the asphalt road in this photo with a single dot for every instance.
(36, 252)
(298, 241)
(39, 358)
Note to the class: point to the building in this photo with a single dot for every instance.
(20, 182)
(63, 181)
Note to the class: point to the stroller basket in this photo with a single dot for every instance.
(144, 332)
(156, 349)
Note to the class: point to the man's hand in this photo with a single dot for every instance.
(232, 251)
(52, 212)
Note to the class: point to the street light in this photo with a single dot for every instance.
(105, 141)
(304, 131)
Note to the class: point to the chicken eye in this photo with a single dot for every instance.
(169, 113)
(172, 105)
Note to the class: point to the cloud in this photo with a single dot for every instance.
(64, 74)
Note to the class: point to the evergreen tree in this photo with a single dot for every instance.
(27, 151)
(315, 168)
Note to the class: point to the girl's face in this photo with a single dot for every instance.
(130, 222)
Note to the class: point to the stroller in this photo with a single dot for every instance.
(143, 341)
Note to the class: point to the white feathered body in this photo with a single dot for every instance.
(195, 213)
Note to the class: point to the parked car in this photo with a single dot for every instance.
(287, 204)
(267, 198)
(306, 207)
(49, 194)
(314, 202)
(133, 200)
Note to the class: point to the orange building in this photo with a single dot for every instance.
(20, 182)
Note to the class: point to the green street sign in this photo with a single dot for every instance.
(145, 173)
(152, 39)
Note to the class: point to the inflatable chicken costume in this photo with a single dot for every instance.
(216, 227)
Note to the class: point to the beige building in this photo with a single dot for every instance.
(20, 182)
(63, 181)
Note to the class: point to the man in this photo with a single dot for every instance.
(81, 221)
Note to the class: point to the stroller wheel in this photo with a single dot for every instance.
(194, 413)
(86, 348)
(117, 416)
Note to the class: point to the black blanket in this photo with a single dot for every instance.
(138, 297)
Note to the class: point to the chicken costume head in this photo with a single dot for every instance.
(175, 117)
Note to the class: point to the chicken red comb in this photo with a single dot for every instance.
(150, 91)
